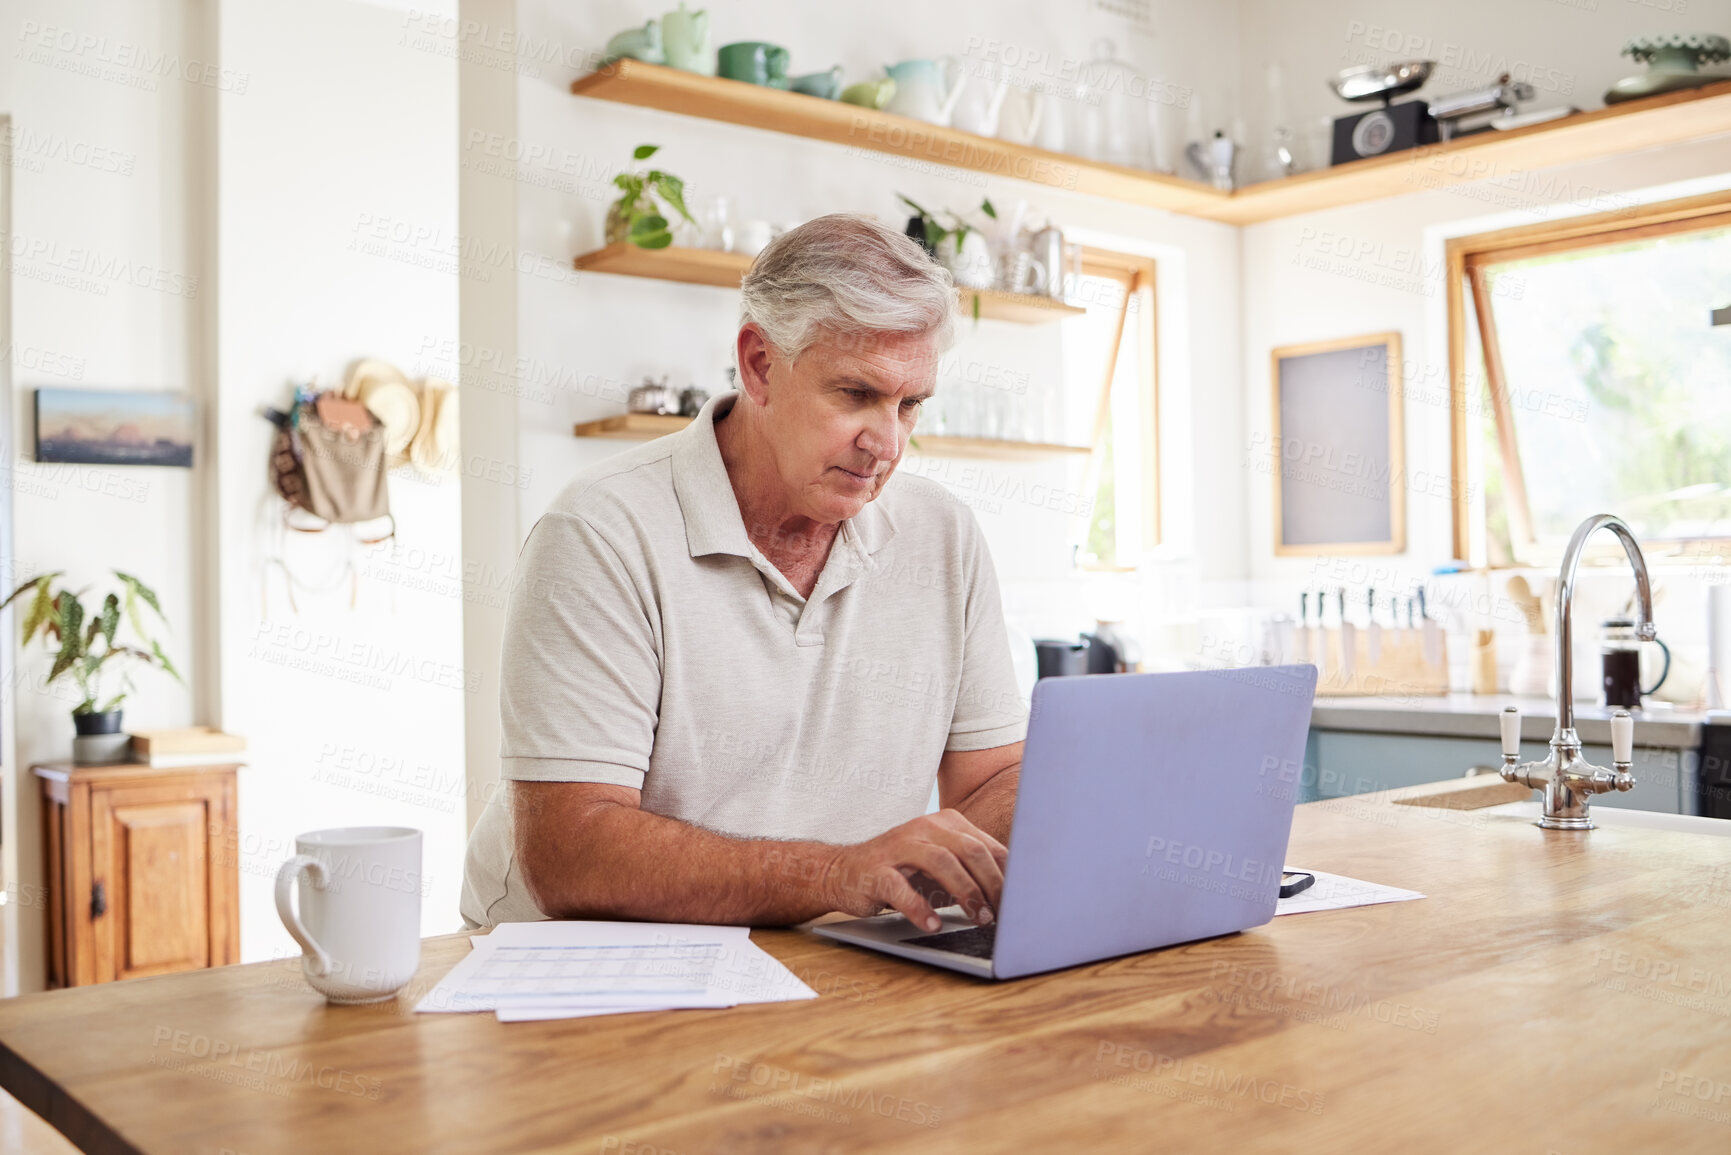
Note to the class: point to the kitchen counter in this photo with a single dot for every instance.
(1475, 716)
(1591, 964)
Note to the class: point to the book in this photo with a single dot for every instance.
(149, 744)
(170, 761)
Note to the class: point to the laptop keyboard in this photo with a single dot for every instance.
(972, 941)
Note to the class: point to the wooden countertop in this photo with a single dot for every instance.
(1556, 992)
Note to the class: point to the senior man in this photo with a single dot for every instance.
(736, 657)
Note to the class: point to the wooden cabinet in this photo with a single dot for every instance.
(143, 870)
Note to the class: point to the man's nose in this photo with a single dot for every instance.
(882, 436)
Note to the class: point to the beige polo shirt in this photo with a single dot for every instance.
(649, 644)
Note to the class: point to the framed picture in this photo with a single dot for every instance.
(113, 427)
(1339, 447)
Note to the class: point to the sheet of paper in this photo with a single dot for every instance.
(1337, 892)
(588, 964)
(744, 971)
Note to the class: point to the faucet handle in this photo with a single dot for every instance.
(1622, 738)
(1510, 720)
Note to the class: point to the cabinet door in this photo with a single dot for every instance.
(164, 900)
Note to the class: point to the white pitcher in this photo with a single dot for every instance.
(926, 89)
(980, 101)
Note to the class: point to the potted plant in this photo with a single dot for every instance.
(89, 653)
(636, 216)
(960, 246)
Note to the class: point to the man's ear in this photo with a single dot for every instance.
(756, 355)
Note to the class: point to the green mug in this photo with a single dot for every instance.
(754, 62)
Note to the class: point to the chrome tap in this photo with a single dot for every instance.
(1567, 779)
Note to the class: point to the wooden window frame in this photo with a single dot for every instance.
(1468, 258)
(1397, 480)
(1138, 276)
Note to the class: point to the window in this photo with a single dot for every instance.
(1109, 365)
(1590, 378)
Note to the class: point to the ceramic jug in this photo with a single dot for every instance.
(870, 93)
(926, 89)
(685, 41)
(639, 44)
(1020, 115)
(980, 102)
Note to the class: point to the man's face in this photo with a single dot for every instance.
(839, 417)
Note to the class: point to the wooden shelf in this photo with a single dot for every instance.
(631, 427)
(1022, 308)
(708, 267)
(1508, 157)
(924, 445)
(649, 426)
(692, 266)
(793, 113)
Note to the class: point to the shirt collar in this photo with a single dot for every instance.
(706, 500)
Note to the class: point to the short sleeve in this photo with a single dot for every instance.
(989, 709)
(580, 686)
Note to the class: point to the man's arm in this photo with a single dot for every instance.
(588, 850)
(981, 786)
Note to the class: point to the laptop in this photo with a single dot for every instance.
(1153, 809)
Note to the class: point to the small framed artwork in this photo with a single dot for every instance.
(1339, 447)
(113, 427)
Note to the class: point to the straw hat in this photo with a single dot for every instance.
(436, 445)
(383, 389)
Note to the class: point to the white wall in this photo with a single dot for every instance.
(338, 238)
(1376, 267)
(106, 293)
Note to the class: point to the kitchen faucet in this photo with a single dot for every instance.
(1567, 779)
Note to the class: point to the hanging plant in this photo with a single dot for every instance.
(637, 216)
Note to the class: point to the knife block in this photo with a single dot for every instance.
(1399, 671)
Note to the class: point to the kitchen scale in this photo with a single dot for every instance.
(1393, 126)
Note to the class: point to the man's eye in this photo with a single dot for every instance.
(913, 402)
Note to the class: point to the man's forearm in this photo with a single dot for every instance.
(992, 805)
(633, 864)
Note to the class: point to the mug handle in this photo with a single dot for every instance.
(286, 877)
(1664, 671)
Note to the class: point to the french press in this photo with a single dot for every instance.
(1620, 658)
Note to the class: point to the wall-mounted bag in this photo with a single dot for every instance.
(329, 460)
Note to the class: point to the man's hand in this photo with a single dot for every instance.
(943, 849)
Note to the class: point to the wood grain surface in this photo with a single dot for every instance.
(1557, 992)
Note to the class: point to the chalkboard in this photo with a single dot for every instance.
(1338, 447)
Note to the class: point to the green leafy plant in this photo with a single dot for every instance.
(637, 216)
(86, 640)
(937, 231)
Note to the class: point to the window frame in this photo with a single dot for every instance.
(1138, 275)
(1467, 259)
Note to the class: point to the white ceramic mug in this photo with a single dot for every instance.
(359, 924)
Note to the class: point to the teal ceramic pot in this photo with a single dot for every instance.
(754, 62)
(824, 84)
(638, 44)
(685, 39)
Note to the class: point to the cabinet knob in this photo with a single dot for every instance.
(98, 900)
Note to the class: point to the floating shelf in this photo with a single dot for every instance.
(1022, 308)
(692, 266)
(708, 267)
(1509, 157)
(631, 427)
(648, 426)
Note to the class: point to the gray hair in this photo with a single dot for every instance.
(850, 274)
